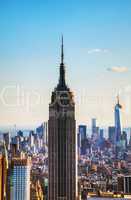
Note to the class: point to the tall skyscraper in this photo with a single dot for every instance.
(62, 141)
(20, 179)
(117, 123)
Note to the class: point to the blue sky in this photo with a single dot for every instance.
(96, 38)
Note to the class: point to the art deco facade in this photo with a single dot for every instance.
(62, 141)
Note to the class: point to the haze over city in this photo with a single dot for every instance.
(65, 99)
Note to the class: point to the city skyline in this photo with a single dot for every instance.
(65, 99)
(97, 51)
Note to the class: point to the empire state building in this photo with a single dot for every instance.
(62, 141)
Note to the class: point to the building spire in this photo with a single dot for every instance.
(118, 101)
(62, 82)
(62, 50)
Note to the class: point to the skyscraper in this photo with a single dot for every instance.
(6, 137)
(117, 123)
(45, 133)
(83, 131)
(62, 141)
(111, 134)
(83, 139)
(3, 177)
(93, 125)
(20, 179)
(3, 172)
(95, 130)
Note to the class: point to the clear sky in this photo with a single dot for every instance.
(97, 43)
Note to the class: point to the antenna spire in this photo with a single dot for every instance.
(118, 99)
(62, 50)
(62, 82)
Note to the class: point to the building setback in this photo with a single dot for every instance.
(62, 141)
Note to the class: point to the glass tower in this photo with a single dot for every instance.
(117, 137)
(20, 179)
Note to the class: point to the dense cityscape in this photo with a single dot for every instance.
(99, 162)
(65, 99)
(102, 168)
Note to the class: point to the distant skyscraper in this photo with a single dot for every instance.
(6, 137)
(20, 133)
(45, 133)
(130, 140)
(78, 143)
(101, 133)
(82, 131)
(93, 125)
(83, 139)
(117, 124)
(20, 179)
(95, 130)
(62, 141)
(40, 130)
(15, 141)
(124, 141)
(31, 139)
(111, 134)
(84, 146)
(100, 140)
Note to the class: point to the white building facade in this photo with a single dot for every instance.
(20, 175)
